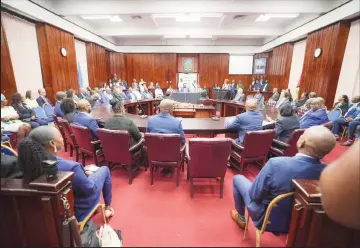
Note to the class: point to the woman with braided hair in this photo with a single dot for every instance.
(43, 144)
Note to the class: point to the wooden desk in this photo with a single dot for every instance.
(310, 226)
(32, 214)
(189, 110)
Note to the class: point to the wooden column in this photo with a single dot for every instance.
(8, 84)
(59, 72)
(321, 74)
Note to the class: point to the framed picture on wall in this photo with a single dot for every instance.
(188, 65)
(260, 66)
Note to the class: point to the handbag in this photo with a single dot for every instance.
(108, 237)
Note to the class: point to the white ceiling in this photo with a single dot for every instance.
(221, 29)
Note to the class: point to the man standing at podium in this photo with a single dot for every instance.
(184, 89)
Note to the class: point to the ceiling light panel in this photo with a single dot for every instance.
(113, 18)
(266, 17)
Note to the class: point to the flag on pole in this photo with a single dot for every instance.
(80, 76)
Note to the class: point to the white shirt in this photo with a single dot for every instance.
(158, 92)
(9, 112)
(137, 94)
(31, 103)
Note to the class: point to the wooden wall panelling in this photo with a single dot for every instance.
(213, 69)
(181, 56)
(59, 72)
(117, 65)
(151, 67)
(8, 84)
(278, 72)
(321, 74)
(98, 60)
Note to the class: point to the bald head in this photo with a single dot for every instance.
(317, 141)
(84, 106)
(251, 104)
(312, 95)
(165, 106)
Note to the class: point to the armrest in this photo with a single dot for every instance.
(95, 142)
(237, 146)
(183, 148)
(278, 143)
(187, 156)
(137, 145)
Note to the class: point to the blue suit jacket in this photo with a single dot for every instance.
(41, 101)
(314, 118)
(248, 121)
(354, 110)
(165, 123)
(85, 120)
(57, 110)
(269, 183)
(86, 194)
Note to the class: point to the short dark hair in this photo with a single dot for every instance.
(16, 98)
(70, 93)
(67, 106)
(286, 110)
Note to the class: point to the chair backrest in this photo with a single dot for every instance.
(83, 137)
(257, 143)
(49, 110)
(278, 214)
(8, 151)
(334, 114)
(328, 124)
(207, 102)
(39, 113)
(292, 150)
(64, 125)
(115, 145)
(163, 147)
(209, 156)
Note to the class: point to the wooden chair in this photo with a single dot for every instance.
(273, 204)
(99, 207)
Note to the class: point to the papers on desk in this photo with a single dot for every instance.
(91, 167)
(267, 123)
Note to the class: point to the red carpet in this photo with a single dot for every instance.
(164, 215)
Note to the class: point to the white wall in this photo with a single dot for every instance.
(24, 52)
(348, 83)
(80, 49)
(297, 64)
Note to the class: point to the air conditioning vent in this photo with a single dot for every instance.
(239, 16)
(137, 17)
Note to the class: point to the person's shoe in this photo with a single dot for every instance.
(337, 137)
(235, 217)
(347, 143)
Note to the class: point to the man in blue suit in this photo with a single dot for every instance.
(251, 120)
(165, 123)
(316, 115)
(83, 118)
(275, 178)
(42, 99)
(59, 97)
(349, 116)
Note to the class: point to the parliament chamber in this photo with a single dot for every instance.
(180, 123)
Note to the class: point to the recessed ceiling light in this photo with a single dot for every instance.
(175, 36)
(200, 36)
(116, 19)
(266, 17)
(113, 18)
(188, 18)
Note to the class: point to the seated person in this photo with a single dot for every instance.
(165, 122)
(119, 95)
(216, 87)
(353, 126)
(315, 116)
(42, 99)
(60, 96)
(184, 89)
(275, 177)
(232, 88)
(265, 86)
(169, 90)
(301, 102)
(311, 96)
(159, 94)
(130, 95)
(259, 97)
(225, 85)
(10, 122)
(137, 94)
(120, 122)
(146, 94)
(251, 87)
(25, 114)
(151, 86)
(43, 144)
(275, 96)
(349, 116)
(124, 84)
(239, 85)
(115, 79)
(135, 85)
(286, 124)
(257, 85)
(95, 98)
(68, 107)
(107, 95)
(343, 104)
(251, 120)
(283, 99)
(83, 118)
(71, 95)
(9, 167)
(84, 94)
(240, 96)
(30, 100)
